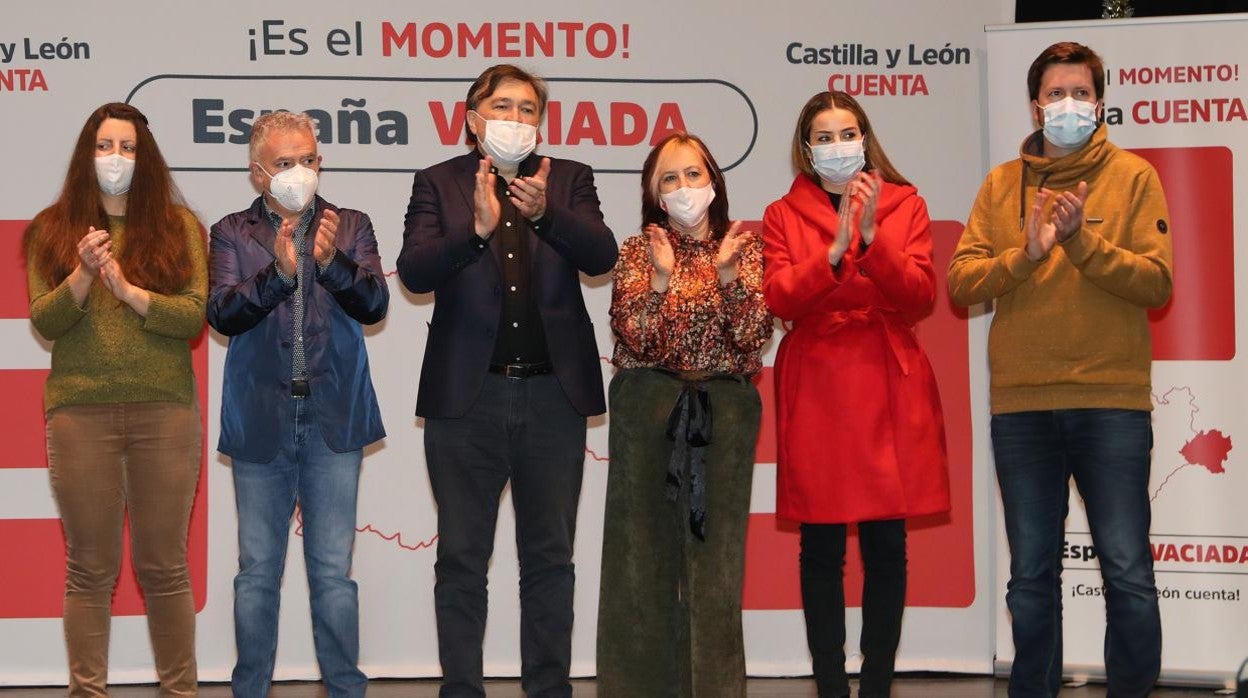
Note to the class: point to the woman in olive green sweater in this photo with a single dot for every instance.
(117, 280)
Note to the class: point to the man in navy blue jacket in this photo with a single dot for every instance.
(292, 280)
(511, 371)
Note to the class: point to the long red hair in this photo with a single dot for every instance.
(156, 254)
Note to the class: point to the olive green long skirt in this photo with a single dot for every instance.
(669, 611)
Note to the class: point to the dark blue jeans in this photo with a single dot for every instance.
(1107, 452)
(324, 483)
(525, 431)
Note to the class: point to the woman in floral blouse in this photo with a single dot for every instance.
(689, 314)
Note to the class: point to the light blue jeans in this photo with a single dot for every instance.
(324, 483)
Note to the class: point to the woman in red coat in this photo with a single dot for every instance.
(860, 432)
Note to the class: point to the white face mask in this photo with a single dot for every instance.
(1069, 123)
(837, 163)
(508, 143)
(688, 206)
(293, 188)
(115, 172)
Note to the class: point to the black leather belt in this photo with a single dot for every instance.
(521, 370)
(299, 388)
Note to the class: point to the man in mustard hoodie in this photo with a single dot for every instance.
(1072, 243)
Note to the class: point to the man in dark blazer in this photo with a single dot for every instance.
(511, 371)
(293, 278)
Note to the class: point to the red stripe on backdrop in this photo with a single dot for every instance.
(13, 300)
(765, 449)
(940, 549)
(21, 411)
(21, 390)
(197, 535)
(1199, 322)
(33, 583)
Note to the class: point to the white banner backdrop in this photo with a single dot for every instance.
(386, 83)
(1174, 95)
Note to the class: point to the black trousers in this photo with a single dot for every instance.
(883, 547)
(525, 431)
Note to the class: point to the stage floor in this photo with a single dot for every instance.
(903, 687)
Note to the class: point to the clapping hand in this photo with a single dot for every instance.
(1068, 211)
(485, 207)
(662, 257)
(529, 193)
(844, 229)
(94, 250)
(866, 189)
(284, 248)
(1062, 222)
(728, 260)
(116, 282)
(326, 233)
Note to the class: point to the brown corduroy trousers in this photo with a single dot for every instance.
(105, 460)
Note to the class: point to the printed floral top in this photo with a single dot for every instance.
(697, 324)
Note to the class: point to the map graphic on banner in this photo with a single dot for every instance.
(1208, 449)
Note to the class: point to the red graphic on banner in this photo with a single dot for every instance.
(1199, 321)
(765, 450)
(1208, 449)
(940, 549)
(33, 582)
(22, 411)
(396, 538)
(13, 300)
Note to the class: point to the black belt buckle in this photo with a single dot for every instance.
(520, 370)
(299, 388)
